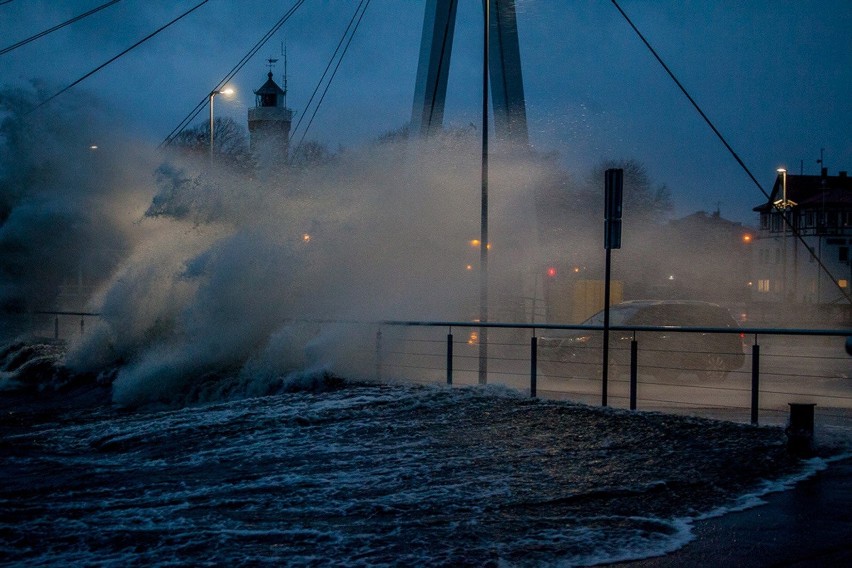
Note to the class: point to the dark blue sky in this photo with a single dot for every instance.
(775, 76)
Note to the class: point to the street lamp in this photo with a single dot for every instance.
(228, 92)
(783, 172)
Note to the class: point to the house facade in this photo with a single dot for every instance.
(802, 247)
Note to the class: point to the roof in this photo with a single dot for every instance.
(812, 191)
(270, 87)
(703, 218)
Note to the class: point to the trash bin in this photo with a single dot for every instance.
(800, 429)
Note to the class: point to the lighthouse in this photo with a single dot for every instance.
(269, 125)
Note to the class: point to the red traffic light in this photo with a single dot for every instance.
(551, 271)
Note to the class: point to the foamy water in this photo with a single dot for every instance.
(327, 472)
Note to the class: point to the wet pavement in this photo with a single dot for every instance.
(809, 525)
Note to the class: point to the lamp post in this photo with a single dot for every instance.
(785, 208)
(228, 91)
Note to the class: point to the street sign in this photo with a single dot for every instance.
(613, 189)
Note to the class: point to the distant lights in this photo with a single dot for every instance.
(551, 271)
(747, 238)
(93, 147)
(477, 242)
(306, 238)
(469, 267)
(671, 277)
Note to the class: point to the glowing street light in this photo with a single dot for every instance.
(783, 172)
(228, 91)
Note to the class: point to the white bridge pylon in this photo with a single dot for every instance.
(504, 69)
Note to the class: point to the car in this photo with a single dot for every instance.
(663, 354)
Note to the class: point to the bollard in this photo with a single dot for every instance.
(800, 429)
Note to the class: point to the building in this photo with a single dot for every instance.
(701, 256)
(802, 248)
(269, 125)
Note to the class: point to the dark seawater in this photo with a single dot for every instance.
(331, 472)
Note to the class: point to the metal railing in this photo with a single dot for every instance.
(56, 327)
(780, 366)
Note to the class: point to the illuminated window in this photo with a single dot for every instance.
(843, 283)
(763, 285)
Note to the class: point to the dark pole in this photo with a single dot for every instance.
(605, 373)
(450, 358)
(634, 359)
(533, 364)
(755, 380)
(613, 187)
(483, 240)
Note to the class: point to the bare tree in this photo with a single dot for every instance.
(310, 154)
(230, 142)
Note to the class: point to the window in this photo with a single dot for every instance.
(843, 283)
(843, 254)
(777, 223)
(763, 285)
(764, 220)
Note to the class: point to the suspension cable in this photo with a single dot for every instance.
(785, 216)
(39, 35)
(230, 75)
(325, 71)
(366, 5)
(102, 65)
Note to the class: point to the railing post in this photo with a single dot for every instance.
(755, 379)
(450, 357)
(379, 354)
(634, 371)
(533, 364)
(56, 328)
(82, 325)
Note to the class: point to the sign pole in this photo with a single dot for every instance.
(613, 189)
